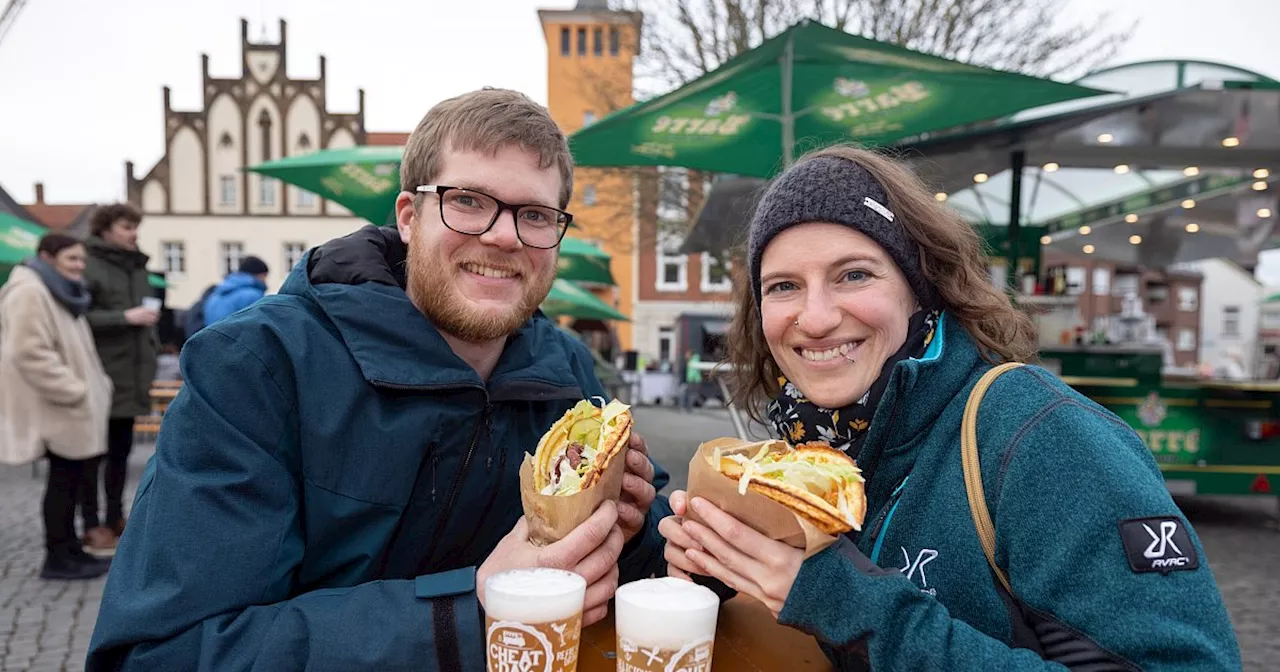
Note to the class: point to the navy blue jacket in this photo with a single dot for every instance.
(328, 480)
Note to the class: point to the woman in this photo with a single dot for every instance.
(868, 318)
(54, 394)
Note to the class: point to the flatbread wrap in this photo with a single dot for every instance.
(816, 482)
(577, 450)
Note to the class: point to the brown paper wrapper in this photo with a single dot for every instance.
(756, 511)
(553, 517)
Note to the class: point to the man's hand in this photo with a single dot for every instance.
(591, 550)
(141, 317)
(637, 488)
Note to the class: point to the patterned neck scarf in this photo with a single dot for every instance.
(797, 420)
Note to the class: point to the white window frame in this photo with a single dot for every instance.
(174, 254)
(267, 188)
(292, 252)
(589, 194)
(667, 334)
(232, 253)
(1101, 281)
(1186, 340)
(726, 282)
(1076, 279)
(306, 199)
(227, 190)
(1270, 319)
(681, 261)
(1231, 321)
(1188, 299)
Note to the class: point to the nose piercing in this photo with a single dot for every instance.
(797, 322)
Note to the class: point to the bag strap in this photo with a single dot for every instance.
(973, 470)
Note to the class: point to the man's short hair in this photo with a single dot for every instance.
(485, 121)
(107, 215)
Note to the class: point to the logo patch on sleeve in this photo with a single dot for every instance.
(1158, 544)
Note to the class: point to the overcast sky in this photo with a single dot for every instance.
(80, 80)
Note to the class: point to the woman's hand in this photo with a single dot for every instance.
(742, 558)
(678, 564)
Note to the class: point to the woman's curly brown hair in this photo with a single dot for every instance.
(952, 259)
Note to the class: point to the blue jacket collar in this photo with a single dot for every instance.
(919, 391)
(358, 281)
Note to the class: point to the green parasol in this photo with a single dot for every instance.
(18, 240)
(808, 87)
(581, 261)
(364, 180)
(568, 299)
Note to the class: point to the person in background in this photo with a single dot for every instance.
(54, 393)
(692, 380)
(238, 290)
(124, 330)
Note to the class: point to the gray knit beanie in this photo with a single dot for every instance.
(839, 191)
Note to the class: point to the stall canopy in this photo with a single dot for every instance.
(569, 300)
(583, 263)
(807, 87)
(1181, 165)
(364, 180)
(18, 240)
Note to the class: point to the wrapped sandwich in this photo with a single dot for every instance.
(805, 495)
(578, 464)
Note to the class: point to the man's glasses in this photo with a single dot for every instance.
(473, 213)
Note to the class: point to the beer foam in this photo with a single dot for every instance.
(534, 595)
(666, 613)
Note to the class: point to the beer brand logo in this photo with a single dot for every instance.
(719, 106)
(851, 88)
(695, 657)
(516, 647)
(1152, 412)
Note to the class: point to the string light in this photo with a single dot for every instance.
(1231, 141)
(1121, 169)
(1262, 173)
(1045, 240)
(980, 178)
(1190, 171)
(1104, 138)
(1131, 218)
(1086, 230)
(1134, 240)
(1050, 167)
(1189, 203)
(1264, 212)
(940, 197)
(1193, 227)
(1088, 249)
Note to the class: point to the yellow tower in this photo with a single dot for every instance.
(590, 53)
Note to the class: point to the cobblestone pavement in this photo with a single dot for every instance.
(47, 625)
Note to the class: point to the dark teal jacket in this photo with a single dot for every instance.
(1061, 474)
(328, 480)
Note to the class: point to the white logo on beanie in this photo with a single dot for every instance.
(874, 205)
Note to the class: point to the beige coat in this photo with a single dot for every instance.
(53, 389)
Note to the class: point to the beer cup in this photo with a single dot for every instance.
(665, 625)
(533, 620)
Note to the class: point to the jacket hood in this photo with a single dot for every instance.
(236, 282)
(118, 256)
(358, 282)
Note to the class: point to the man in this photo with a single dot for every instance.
(692, 380)
(238, 290)
(124, 332)
(340, 473)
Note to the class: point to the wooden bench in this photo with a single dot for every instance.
(162, 394)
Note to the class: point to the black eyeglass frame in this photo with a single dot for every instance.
(440, 190)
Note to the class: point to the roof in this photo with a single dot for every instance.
(386, 139)
(9, 206)
(59, 217)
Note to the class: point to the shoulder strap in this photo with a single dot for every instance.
(973, 470)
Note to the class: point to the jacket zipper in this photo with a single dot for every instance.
(493, 495)
(443, 520)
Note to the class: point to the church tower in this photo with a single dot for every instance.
(591, 51)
